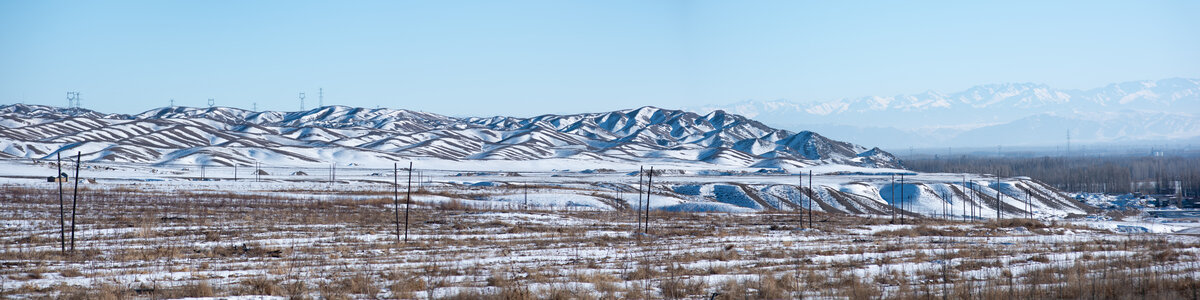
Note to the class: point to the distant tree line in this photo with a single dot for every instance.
(1109, 174)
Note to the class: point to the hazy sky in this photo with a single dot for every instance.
(526, 58)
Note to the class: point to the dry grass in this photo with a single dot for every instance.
(223, 244)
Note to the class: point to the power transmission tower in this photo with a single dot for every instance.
(301, 100)
(172, 102)
(73, 101)
(211, 102)
(320, 97)
(1068, 143)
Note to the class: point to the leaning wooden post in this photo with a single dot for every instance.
(810, 200)
(649, 187)
(396, 197)
(408, 202)
(62, 226)
(75, 198)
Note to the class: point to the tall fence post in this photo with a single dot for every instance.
(810, 199)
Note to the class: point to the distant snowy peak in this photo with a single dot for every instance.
(1168, 93)
(228, 136)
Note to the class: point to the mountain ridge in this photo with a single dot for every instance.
(231, 136)
(1115, 112)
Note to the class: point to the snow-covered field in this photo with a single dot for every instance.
(164, 232)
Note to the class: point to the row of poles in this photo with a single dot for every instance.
(642, 209)
(947, 205)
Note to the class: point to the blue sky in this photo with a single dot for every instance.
(484, 58)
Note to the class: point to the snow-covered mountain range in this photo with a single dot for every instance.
(231, 136)
(1020, 114)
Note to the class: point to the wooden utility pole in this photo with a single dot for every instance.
(810, 199)
(801, 188)
(964, 198)
(641, 172)
(62, 226)
(997, 196)
(75, 197)
(944, 200)
(1029, 201)
(892, 189)
(408, 202)
(902, 197)
(649, 191)
(525, 187)
(396, 197)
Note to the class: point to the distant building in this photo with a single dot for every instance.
(62, 177)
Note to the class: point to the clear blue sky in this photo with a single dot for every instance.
(468, 58)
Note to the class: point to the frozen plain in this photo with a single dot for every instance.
(163, 231)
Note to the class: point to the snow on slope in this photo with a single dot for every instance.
(339, 134)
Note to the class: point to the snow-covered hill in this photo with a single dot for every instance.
(1027, 114)
(230, 136)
